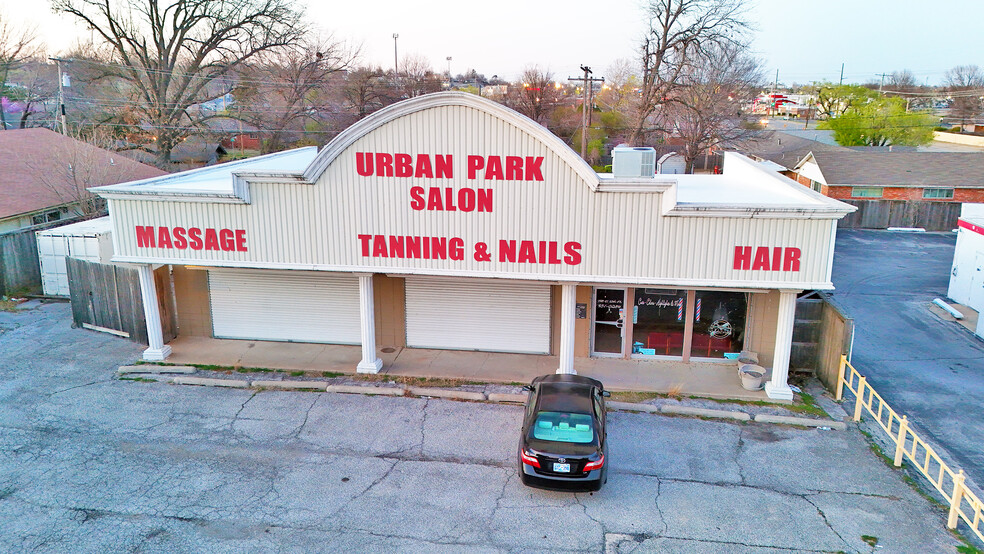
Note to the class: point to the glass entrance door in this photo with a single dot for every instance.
(609, 319)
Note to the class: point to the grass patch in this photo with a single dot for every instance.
(8, 305)
(929, 498)
(416, 381)
(257, 370)
(877, 449)
(807, 406)
(968, 549)
(211, 367)
(331, 374)
(296, 374)
(635, 397)
(871, 541)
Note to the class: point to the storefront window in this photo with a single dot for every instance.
(658, 322)
(719, 323)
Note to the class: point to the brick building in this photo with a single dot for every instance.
(914, 176)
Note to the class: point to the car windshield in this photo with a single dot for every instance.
(563, 427)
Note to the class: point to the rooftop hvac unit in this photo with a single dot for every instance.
(633, 161)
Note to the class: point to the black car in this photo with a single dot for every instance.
(563, 444)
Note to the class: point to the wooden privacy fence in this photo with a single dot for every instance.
(821, 334)
(20, 270)
(882, 214)
(964, 503)
(106, 297)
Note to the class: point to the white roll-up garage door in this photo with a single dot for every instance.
(478, 315)
(296, 306)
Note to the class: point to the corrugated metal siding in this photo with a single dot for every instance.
(624, 236)
(463, 315)
(293, 306)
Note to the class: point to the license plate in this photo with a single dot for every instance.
(562, 468)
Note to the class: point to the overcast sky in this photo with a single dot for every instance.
(804, 40)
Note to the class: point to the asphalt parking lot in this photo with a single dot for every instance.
(927, 368)
(89, 463)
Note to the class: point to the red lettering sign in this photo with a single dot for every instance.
(777, 258)
(180, 238)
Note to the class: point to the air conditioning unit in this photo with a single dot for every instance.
(633, 161)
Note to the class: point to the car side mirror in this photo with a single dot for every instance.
(606, 394)
(527, 388)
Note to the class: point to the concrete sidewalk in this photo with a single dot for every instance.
(707, 379)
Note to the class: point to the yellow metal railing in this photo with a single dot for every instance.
(964, 504)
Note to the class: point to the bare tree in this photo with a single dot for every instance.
(706, 112)
(37, 83)
(965, 84)
(417, 77)
(535, 95)
(679, 32)
(17, 46)
(172, 52)
(365, 90)
(901, 81)
(69, 168)
(285, 88)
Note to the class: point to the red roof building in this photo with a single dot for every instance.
(44, 176)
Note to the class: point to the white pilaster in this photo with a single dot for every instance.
(777, 387)
(567, 307)
(370, 362)
(157, 350)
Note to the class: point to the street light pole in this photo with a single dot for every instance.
(396, 68)
(449, 69)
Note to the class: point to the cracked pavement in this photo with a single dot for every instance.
(89, 463)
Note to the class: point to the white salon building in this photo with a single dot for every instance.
(448, 221)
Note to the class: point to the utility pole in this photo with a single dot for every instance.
(586, 94)
(842, 73)
(775, 87)
(882, 82)
(61, 93)
(396, 68)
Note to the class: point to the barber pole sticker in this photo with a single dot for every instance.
(680, 310)
(697, 311)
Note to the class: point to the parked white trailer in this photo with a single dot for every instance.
(90, 240)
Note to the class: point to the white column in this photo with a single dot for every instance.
(157, 351)
(370, 362)
(776, 387)
(568, 296)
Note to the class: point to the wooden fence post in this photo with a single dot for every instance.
(840, 378)
(958, 490)
(900, 445)
(859, 398)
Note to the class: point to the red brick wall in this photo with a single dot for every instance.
(904, 193)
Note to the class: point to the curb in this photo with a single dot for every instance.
(507, 397)
(704, 412)
(444, 393)
(372, 389)
(289, 385)
(631, 407)
(472, 396)
(157, 369)
(206, 382)
(802, 421)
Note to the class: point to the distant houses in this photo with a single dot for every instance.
(891, 188)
